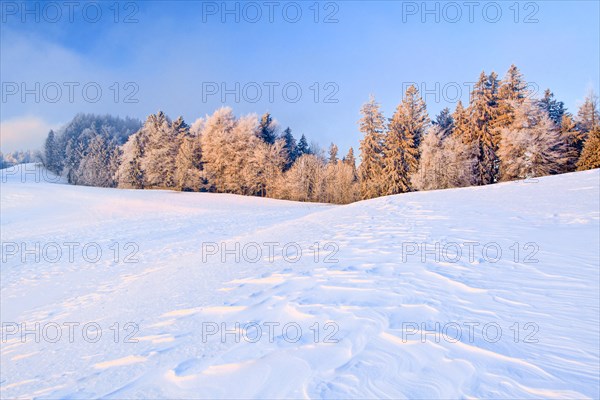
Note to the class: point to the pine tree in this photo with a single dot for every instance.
(130, 173)
(588, 117)
(371, 149)
(590, 156)
(555, 109)
(483, 112)
(333, 151)
(401, 142)
(349, 158)
(267, 129)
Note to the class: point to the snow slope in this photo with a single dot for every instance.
(368, 315)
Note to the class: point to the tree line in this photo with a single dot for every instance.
(503, 134)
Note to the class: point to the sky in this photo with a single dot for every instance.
(310, 64)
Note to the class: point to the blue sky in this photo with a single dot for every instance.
(172, 52)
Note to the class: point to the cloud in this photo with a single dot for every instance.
(23, 133)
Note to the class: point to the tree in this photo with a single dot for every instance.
(371, 150)
(445, 121)
(163, 141)
(290, 147)
(512, 91)
(52, 157)
(302, 147)
(401, 142)
(461, 122)
(333, 151)
(96, 166)
(573, 139)
(188, 164)
(531, 146)
(590, 156)
(555, 109)
(130, 173)
(483, 112)
(267, 129)
(445, 162)
(588, 117)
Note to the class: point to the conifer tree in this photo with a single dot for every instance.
(302, 147)
(371, 149)
(52, 154)
(461, 122)
(590, 156)
(290, 147)
(483, 112)
(573, 139)
(401, 142)
(555, 109)
(267, 129)
(445, 121)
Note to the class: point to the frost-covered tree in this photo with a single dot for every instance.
(130, 173)
(349, 158)
(588, 116)
(163, 142)
(341, 186)
(188, 164)
(590, 156)
(97, 166)
(401, 153)
(333, 153)
(305, 181)
(531, 146)
(267, 164)
(370, 170)
(445, 162)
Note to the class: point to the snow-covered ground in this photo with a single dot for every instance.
(506, 305)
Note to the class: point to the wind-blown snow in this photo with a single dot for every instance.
(382, 304)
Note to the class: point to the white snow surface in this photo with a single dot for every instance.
(387, 321)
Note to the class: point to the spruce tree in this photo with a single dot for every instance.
(445, 121)
(302, 147)
(555, 109)
(401, 142)
(290, 147)
(51, 153)
(573, 139)
(267, 129)
(371, 150)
